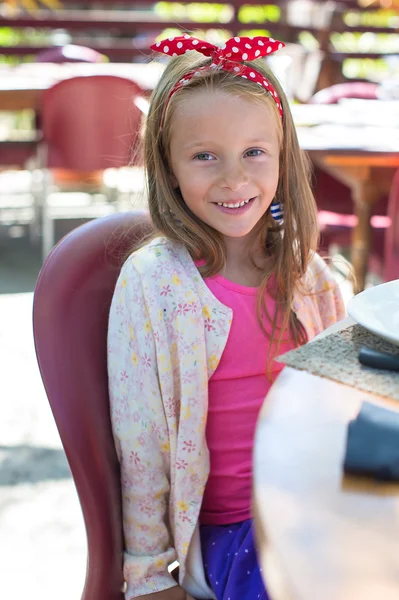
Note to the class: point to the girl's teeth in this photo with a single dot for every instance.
(237, 205)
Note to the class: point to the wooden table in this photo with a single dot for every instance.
(321, 536)
(369, 176)
(21, 87)
(357, 143)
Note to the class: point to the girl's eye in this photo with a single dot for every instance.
(254, 152)
(204, 156)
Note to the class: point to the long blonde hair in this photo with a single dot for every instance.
(288, 248)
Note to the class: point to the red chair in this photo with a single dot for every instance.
(350, 89)
(391, 267)
(89, 124)
(70, 53)
(70, 317)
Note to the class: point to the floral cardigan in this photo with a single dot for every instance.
(166, 336)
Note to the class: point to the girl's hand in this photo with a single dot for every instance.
(189, 597)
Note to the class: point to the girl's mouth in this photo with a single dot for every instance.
(238, 207)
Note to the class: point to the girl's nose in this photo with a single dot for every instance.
(234, 177)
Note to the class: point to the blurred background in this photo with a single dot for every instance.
(75, 79)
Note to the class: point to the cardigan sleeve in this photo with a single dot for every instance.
(141, 438)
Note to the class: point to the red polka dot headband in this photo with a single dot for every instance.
(227, 57)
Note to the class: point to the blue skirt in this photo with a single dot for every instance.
(230, 561)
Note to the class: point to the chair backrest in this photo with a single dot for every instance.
(70, 53)
(391, 266)
(70, 318)
(352, 89)
(90, 123)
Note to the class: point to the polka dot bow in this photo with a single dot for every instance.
(227, 57)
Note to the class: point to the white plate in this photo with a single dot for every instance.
(377, 309)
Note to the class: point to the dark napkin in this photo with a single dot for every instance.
(373, 443)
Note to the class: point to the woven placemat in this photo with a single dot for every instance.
(336, 357)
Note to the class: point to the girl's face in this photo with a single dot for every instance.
(224, 153)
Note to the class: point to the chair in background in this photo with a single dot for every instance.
(71, 53)
(351, 89)
(391, 266)
(70, 320)
(89, 124)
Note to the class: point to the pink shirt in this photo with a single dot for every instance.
(166, 335)
(236, 392)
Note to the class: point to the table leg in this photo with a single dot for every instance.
(365, 195)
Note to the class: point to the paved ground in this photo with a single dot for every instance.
(42, 541)
(42, 538)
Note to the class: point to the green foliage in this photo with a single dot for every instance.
(378, 18)
(308, 40)
(195, 11)
(366, 68)
(215, 36)
(365, 42)
(10, 36)
(254, 32)
(219, 13)
(259, 14)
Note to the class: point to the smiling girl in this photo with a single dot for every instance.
(229, 281)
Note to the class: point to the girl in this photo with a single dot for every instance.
(200, 312)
